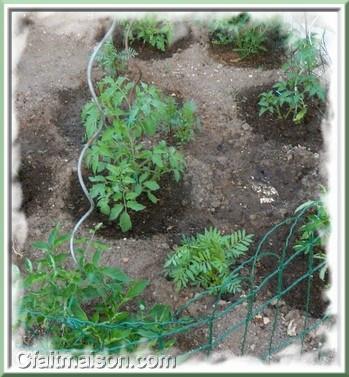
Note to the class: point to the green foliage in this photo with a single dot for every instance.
(151, 31)
(251, 41)
(182, 122)
(128, 160)
(205, 260)
(113, 61)
(314, 233)
(301, 85)
(247, 37)
(224, 31)
(85, 306)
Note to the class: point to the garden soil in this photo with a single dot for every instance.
(240, 174)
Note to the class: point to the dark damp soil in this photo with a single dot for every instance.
(308, 133)
(36, 178)
(170, 215)
(272, 58)
(226, 55)
(68, 118)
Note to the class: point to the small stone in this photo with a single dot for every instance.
(125, 260)
(245, 127)
(252, 347)
(253, 217)
(266, 320)
(292, 328)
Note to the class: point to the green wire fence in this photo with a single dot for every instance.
(254, 302)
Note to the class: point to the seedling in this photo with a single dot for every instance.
(85, 306)
(302, 84)
(245, 36)
(129, 160)
(205, 261)
(152, 32)
(314, 233)
(224, 31)
(113, 61)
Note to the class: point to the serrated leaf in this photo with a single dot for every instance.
(152, 197)
(157, 160)
(104, 206)
(143, 177)
(97, 190)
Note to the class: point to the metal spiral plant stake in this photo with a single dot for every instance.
(91, 140)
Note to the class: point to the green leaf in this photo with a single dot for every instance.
(89, 293)
(97, 178)
(143, 177)
(115, 274)
(125, 222)
(135, 206)
(96, 257)
(28, 265)
(131, 195)
(129, 180)
(157, 160)
(115, 212)
(41, 245)
(136, 288)
(151, 185)
(52, 237)
(152, 197)
(104, 206)
(97, 190)
(161, 312)
(34, 278)
(76, 310)
(299, 117)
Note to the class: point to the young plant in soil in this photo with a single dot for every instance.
(246, 37)
(205, 261)
(224, 31)
(314, 233)
(113, 61)
(150, 31)
(302, 85)
(85, 306)
(131, 156)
